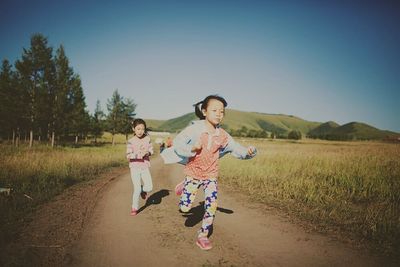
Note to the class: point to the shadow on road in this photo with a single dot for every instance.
(195, 214)
(155, 198)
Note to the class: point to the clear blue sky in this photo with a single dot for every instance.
(318, 61)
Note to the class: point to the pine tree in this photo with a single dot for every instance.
(115, 118)
(128, 116)
(63, 81)
(97, 121)
(78, 116)
(7, 117)
(36, 76)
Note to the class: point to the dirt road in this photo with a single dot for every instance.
(244, 234)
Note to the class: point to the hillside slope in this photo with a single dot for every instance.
(235, 120)
(323, 129)
(281, 125)
(359, 131)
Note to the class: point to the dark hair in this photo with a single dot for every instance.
(204, 105)
(136, 122)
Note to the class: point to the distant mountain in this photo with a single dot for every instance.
(236, 120)
(277, 123)
(241, 121)
(153, 124)
(322, 130)
(177, 124)
(359, 131)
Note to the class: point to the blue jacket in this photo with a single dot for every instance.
(181, 150)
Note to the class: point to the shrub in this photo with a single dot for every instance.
(295, 135)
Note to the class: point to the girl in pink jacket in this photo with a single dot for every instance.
(138, 150)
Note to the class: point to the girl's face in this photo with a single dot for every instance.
(214, 112)
(139, 130)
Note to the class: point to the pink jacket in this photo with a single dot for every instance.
(138, 151)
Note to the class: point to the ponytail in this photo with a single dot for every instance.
(197, 110)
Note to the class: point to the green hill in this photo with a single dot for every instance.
(359, 131)
(235, 120)
(153, 124)
(177, 124)
(322, 130)
(280, 124)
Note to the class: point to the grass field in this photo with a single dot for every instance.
(34, 171)
(35, 175)
(351, 186)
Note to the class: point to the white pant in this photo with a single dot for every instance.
(138, 175)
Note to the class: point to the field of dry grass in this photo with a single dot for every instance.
(351, 186)
(35, 175)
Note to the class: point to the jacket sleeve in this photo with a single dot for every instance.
(130, 154)
(184, 141)
(169, 156)
(151, 149)
(236, 149)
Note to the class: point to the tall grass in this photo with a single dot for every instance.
(352, 186)
(39, 173)
(40, 170)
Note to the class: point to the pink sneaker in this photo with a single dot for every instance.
(179, 188)
(134, 212)
(204, 243)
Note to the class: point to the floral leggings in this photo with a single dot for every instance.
(191, 186)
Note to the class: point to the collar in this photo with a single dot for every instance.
(201, 124)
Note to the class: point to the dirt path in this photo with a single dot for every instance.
(244, 234)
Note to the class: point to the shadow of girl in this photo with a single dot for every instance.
(155, 198)
(195, 214)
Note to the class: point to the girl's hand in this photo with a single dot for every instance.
(143, 151)
(251, 151)
(142, 154)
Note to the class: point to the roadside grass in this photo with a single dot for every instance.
(37, 174)
(353, 187)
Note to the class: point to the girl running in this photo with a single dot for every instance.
(198, 147)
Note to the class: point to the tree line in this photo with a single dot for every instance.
(245, 132)
(41, 99)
